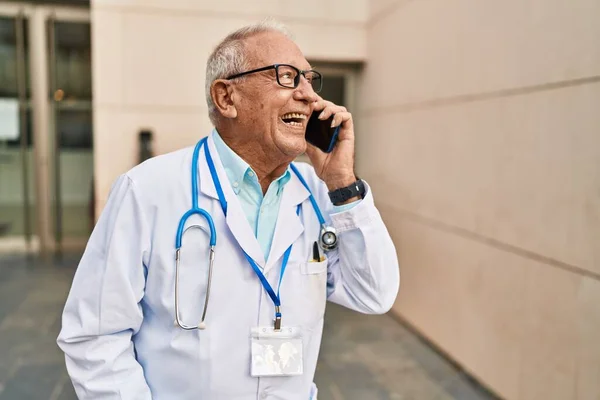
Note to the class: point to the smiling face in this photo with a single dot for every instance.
(272, 116)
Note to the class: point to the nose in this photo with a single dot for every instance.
(304, 91)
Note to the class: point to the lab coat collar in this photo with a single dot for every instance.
(288, 227)
(236, 219)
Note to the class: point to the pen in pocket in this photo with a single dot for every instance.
(316, 255)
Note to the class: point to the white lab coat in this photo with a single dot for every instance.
(118, 330)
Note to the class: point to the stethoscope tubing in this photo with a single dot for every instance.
(195, 210)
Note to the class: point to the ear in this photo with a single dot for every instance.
(221, 93)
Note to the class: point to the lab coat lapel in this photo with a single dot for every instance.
(288, 227)
(236, 219)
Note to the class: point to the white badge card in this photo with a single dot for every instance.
(276, 353)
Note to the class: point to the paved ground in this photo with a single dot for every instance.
(362, 357)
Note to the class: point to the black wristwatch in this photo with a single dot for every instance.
(340, 195)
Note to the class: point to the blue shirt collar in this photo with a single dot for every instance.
(237, 169)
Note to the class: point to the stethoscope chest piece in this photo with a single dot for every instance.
(328, 239)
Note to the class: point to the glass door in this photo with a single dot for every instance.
(46, 161)
(70, 96)
(17, 213)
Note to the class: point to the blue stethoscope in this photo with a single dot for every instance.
(328, 239)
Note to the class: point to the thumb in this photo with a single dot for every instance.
(316, 156)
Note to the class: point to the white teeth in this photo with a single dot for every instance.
(294, 115)
(294, 119)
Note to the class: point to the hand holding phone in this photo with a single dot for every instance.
(331, 150)
(319, 133)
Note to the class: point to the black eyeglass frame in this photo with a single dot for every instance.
(276, 68)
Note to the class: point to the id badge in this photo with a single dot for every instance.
(276, 353)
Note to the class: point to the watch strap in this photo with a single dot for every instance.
(355, 189)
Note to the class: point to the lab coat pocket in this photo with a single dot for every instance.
(315, 290)
(313, 268)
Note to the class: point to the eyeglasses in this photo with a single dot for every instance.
(288, 76)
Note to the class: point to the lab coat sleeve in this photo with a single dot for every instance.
(363, 272)
(103, 309)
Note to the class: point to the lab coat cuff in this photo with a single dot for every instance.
(345, 207)
(361, 212)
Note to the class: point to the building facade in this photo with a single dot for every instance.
(477, 128)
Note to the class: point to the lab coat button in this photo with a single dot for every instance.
(264, 395)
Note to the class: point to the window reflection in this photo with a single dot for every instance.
(8, 58)
(74, 129)
(73, 61)
(72, 90)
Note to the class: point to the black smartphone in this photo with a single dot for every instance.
(320, 133)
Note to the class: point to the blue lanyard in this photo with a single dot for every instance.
(274, 297)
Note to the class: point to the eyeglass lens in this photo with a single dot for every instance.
(288, 76)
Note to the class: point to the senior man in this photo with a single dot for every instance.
(146, 321)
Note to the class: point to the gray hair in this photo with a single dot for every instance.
(229, 57)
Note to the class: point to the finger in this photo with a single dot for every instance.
(327, 106)
(324, 106)
(319, 104)
(330, 110)
(341, 118)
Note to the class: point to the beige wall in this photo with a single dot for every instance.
(149, 61)
(483, 150)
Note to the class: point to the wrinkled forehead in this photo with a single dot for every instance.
(274, 48)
